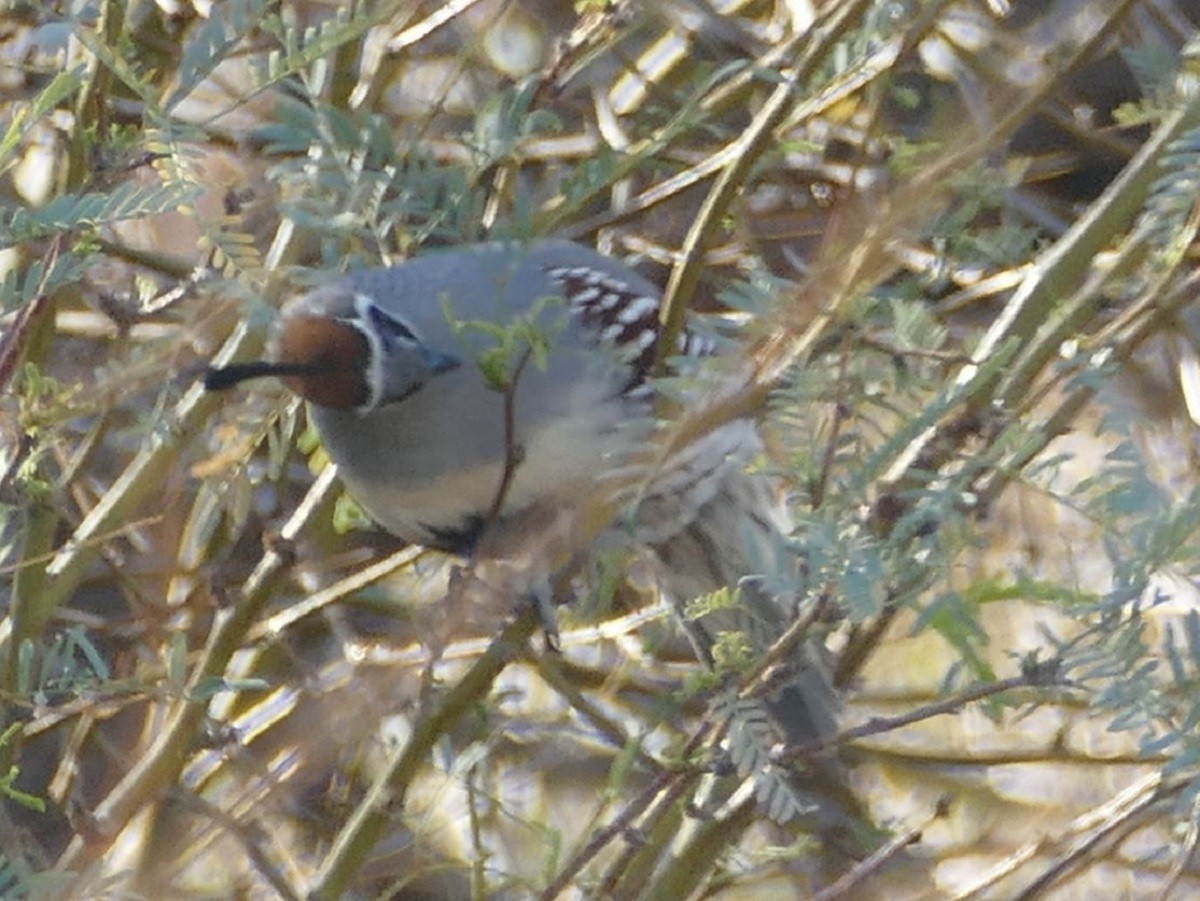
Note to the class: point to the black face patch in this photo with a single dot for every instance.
(391, 330)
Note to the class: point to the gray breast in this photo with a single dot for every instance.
(431, 464)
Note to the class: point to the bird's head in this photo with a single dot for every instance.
(338, 348)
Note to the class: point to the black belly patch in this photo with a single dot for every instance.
(460, 539)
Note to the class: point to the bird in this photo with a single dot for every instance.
(387, 358)
(463, 387)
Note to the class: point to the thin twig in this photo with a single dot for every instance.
(861, 872)
(1187, 853)
(387, 792)
(1122, 812)
(514, 454)
(159, 767)
(667, 786)
(1035, 677)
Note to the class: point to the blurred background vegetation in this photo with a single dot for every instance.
(960, 236)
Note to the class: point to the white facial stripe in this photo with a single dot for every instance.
(373, 371)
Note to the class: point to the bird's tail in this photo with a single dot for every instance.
(719, 533)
